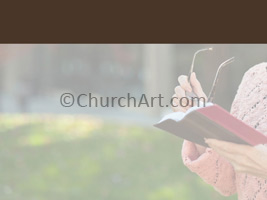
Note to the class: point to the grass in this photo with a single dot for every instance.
(67, 158)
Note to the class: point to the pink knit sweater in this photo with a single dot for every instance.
(250, 106)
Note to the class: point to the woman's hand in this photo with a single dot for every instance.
(244, 158)
(183, 87)
(180, 92)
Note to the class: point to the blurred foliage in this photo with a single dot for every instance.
(67, 157)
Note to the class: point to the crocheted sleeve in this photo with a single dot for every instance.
(212, 168)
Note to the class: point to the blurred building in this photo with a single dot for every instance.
(32, 77)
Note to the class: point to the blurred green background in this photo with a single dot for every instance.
(66, 157)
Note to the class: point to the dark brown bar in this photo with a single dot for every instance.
(134, 22)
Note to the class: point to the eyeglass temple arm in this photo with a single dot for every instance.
(216, 79)
(194, 58)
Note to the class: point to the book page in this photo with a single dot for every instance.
(178, 116)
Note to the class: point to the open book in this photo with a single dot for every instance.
(213, 122)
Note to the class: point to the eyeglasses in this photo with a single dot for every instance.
(216, 79)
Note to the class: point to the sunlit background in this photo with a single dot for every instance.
(52, 152)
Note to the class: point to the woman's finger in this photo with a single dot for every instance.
(183, 81)
(240, 162)
(197, 86)
(256, 171)
(181, 97)
(179, 91)
(229, 147)
(178, 109)
(176, 104)
(229, 156)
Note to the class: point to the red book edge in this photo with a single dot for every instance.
(236, 126)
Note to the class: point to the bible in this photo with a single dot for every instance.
(212, 122)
